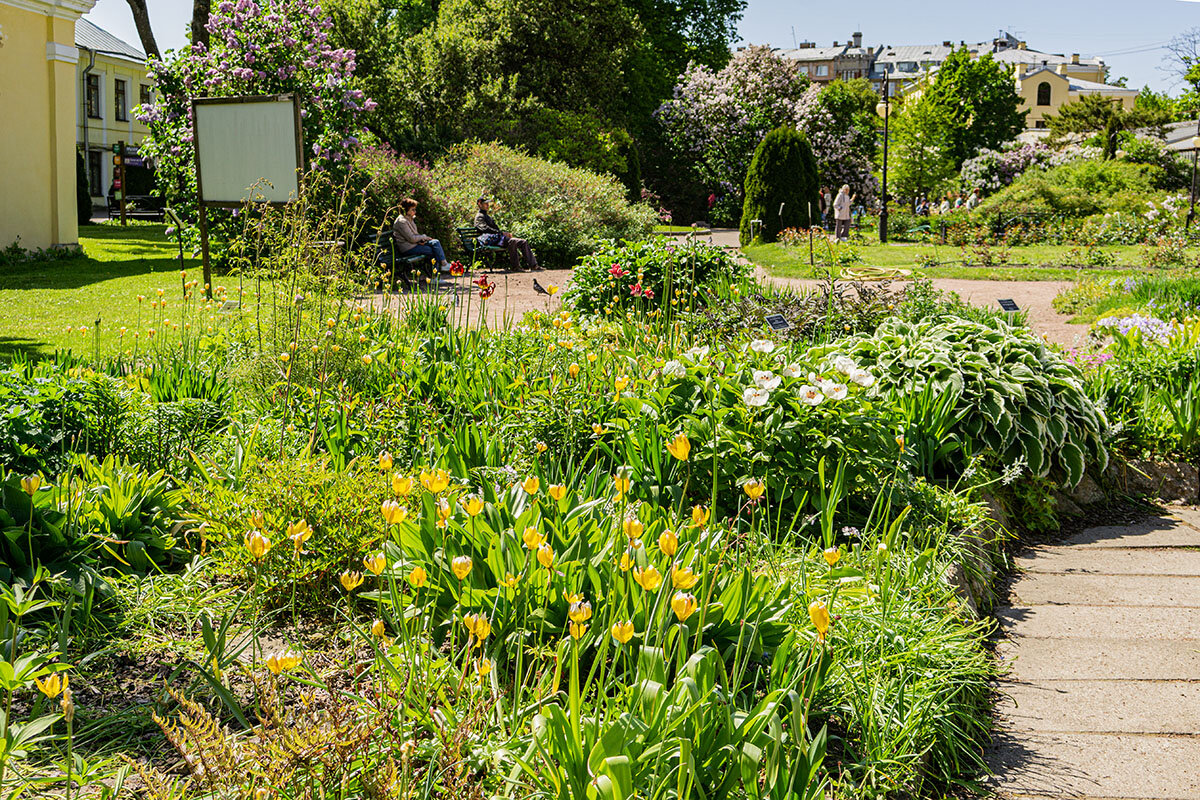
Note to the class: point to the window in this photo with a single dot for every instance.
(120, 107)
(146, 96)
(1041, 123)
(94, 180)
(803, 69)
(822, 70)
(907, 66)
(1044, 93)
(93, 96)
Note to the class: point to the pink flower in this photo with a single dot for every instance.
(636, 290)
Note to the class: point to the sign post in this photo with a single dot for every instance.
(242, 157)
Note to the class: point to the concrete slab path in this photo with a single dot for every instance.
(1101, 699)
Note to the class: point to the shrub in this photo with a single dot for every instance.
(646, 274)
(388, 178)
(781, 185)
(1077, 189)
(563, 211)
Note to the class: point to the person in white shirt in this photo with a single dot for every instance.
(841, 213)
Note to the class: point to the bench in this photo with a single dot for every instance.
(137, 206)
(477, 252)
(401, 268)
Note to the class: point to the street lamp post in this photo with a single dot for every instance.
(884, 108)
(1195, 153)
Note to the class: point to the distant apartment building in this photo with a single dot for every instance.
(1044, 81)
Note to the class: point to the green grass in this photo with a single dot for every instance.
(1027, 263)
(39, 300)
(675, 229)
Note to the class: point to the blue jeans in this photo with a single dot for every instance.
(431, 248)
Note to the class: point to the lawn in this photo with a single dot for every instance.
(1026, 263)
(44, 304)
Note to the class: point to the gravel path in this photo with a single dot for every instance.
(1102, 640)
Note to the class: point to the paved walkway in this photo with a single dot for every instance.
(1102, 639)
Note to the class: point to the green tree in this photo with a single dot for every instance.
(1094, 113)
(1157, 103)
(979, 102)
(781, 185)
(852, 106)
(921, 148)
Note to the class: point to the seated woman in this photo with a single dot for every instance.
(409, 241)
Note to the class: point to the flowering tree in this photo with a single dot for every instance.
(256, 47)
(717, 118)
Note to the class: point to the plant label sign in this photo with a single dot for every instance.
(777, 322)
(1008, 305)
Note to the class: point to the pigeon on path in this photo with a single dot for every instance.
(537, 287)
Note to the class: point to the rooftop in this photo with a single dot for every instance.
(92, 37)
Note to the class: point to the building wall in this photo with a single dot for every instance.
(102, 133)
(1060, 95)
(37, 142)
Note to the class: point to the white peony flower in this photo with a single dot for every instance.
(698, 353)
(762, 345)
(844, 365)
(755, 397)
(791, 371)
(811, 395)
(674, 369)
(765, 379)
(862, 377)
(834, 391)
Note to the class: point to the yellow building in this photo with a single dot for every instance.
(112, 81)
(1045, 89)
(37, 121)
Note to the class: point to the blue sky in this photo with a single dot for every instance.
(1128, 35)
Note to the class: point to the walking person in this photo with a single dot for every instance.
(409, 241)
(491, 235)
(841, 213)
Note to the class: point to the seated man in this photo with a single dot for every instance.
(491, 235)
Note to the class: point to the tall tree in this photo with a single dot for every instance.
(141, 20)
(979, 99)
(200, 15)
(922, 146)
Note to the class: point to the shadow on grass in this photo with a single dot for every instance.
(74, 273)
(16, 346)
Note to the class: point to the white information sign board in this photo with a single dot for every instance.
(247, 149)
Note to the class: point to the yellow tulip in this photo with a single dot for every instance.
(443, 511)
(580, 611)
(680, 447)
(531, 485)
(258, 520)
(418, 577)
(385, 461)
(557, 491)
(257, 544)
(633, 527)
(31, 483)
(285, 357)
(435, 481)
(573, 370)
(684, 578)
(484, 668)
(510, 581)
(621, 483)
(700, 515)
(402, 485)
(551, 289)
(648, 578)
(620, 383)
(545, 556)
(283, 661)
(375, 563)
(578, 629)
(754, 489)
(591, 357)
(533, 540)
(299, 530)
(668, 543)
(461, 567)
(622, 631)
(684, 605)
(393, 512)
(900, 442)
(832, 555)
(473, 504)
(573, 597)
(378, 629)
(479, 626)
(541, 447)
(53, 685)
(597, 428)
(351, 580)
(819, 614)
(626, 561)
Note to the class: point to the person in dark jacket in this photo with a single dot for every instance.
(491, 235)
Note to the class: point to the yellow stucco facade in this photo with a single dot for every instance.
(37, 124)
(1045, 90)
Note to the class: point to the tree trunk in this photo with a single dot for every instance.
(141, 18)
(200, 22)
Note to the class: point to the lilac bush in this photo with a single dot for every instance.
(717, 118)
(992, 170)
(256, 47)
